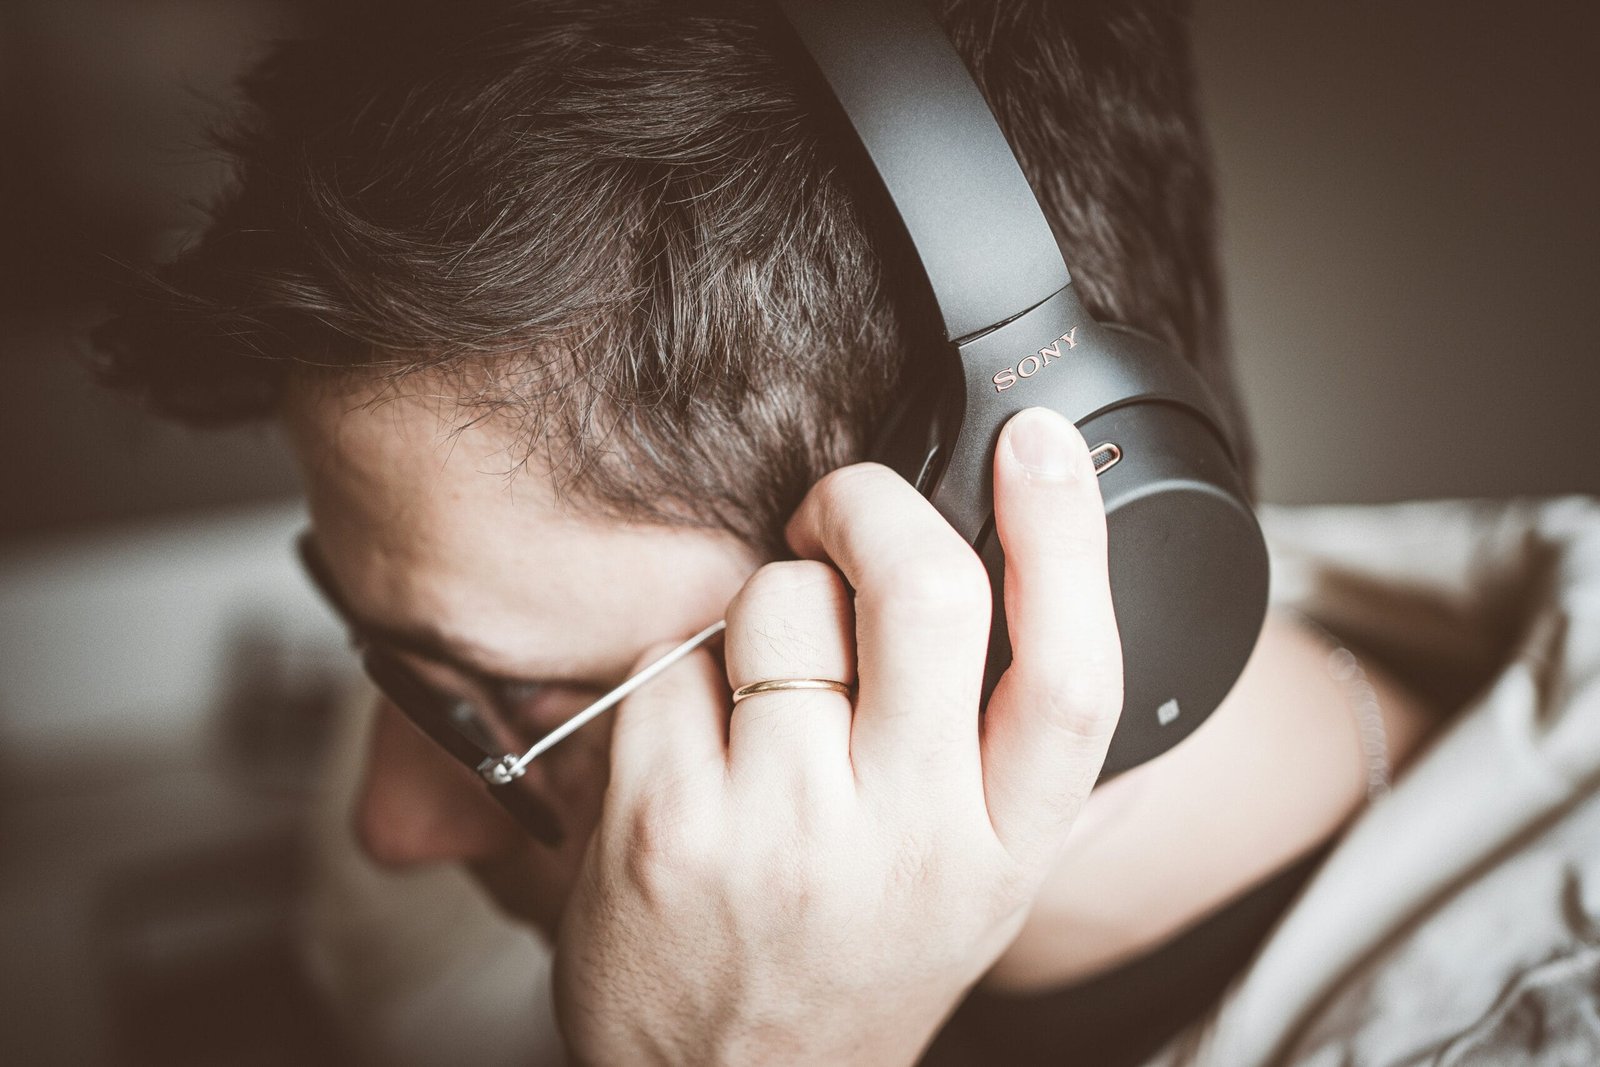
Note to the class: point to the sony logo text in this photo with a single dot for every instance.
(1031, 365)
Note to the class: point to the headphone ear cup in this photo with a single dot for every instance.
(1189, 575)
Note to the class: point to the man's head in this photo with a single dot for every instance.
(567, 304)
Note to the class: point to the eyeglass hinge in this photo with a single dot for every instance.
(502, 771)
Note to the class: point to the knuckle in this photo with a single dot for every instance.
(940, 584)
(1085, 703)
(914, 868)
(777, 585)
(831, 490)
(1013, 884)
(815, 809)
(652, 653)
(842, 490)
(788, 617)
(662, 851)
(812, 905)
(842, 483)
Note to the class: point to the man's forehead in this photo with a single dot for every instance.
(422, 526)
(508, 617)
(407, 433)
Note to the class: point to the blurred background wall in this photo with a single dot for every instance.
(1412, 242)
(104, 106)
(1410, 226)
(1412, 247)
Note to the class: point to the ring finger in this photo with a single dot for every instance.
(791, 620)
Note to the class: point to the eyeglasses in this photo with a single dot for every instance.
(489, 724)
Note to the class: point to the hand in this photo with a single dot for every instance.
(809, 882)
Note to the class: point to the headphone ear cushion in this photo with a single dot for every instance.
(1189, 575)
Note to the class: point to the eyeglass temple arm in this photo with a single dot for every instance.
(509, 768)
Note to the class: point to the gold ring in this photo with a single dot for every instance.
(778, 685)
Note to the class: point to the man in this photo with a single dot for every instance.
(579, 331)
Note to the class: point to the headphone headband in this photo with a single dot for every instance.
(987, 249)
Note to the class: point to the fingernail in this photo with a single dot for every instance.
(1041, 443)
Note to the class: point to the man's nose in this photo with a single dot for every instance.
(417, 805)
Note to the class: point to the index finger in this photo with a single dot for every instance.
(922, 601)
(674, 730)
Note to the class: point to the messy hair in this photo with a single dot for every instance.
(619, 227)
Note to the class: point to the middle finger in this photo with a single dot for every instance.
(922, 604)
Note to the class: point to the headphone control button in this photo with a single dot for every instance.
(1105, 456)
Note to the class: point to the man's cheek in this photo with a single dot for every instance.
(571, 777)
(534, 882)
(531, 886)
(527, 880)
(580, 774)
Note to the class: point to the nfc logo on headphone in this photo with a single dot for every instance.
(1032, 365)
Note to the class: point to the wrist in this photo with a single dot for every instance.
(895, 1035)
(881, 1050)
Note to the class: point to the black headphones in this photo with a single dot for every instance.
(1188, 563)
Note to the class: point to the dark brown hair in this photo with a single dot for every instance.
(618, 225)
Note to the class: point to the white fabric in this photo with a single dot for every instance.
(1459, 919)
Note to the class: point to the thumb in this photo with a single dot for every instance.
(1052, 715)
